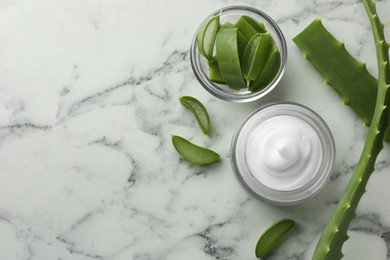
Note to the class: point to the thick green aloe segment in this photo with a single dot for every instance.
(273, 236)
(242, 42)
(249, 27)
(194, 153)
(347, 76)
(199, 111)
(228, 58)
(329, 246)
(215, 72)
(269, 72)
(255, 55)
(206, 36)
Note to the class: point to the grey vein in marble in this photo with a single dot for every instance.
(88, 101)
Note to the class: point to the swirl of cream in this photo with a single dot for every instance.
(284, 153)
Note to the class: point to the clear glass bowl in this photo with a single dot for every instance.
(201, 68)
(252, 184)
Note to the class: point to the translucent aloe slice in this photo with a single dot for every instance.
(273, 236)
(199, 111)
(228, 58)
(215, 72)
(255, 55)
(271, 68)
(206, 36)
(194, 153)
(242, 41)
(249, 27)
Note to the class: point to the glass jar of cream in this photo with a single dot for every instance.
(283, 153)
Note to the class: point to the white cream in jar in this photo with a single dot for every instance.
(283, 153)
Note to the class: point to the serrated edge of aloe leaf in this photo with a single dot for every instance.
(349, 79)
(329, 246)
(185, 101)
(279, 239)
(215, 154)
(359, 93)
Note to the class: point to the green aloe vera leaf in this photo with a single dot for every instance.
(273, 236)
(194, 153)
(206, 36)
(215, 73)
(255, 55)
(199, 111)
(355, 85)
(271, 68)
(347, 76)
(249, 27)
(329, 246)
(228, 58)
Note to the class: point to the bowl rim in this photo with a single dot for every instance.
(211, 87)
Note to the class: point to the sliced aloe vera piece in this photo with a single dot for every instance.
(199, 111)
(249, 27)
(255, 55)
(206, 36)
(271, 68)
(194, 153)
(228, 58)
(215, 73)
(242, 41)
(273, 236)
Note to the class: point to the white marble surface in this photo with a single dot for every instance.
(88, 100)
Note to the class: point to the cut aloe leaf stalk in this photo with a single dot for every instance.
(215, 73)
(255, 55)
(330, 245)
(346, 75)
(269, 72)
(242, 42)
(199, 111)
(273, 236)
(249, 27)
(228, 58)
(206, 37)
(194, 153)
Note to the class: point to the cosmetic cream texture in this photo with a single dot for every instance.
(284, 153)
